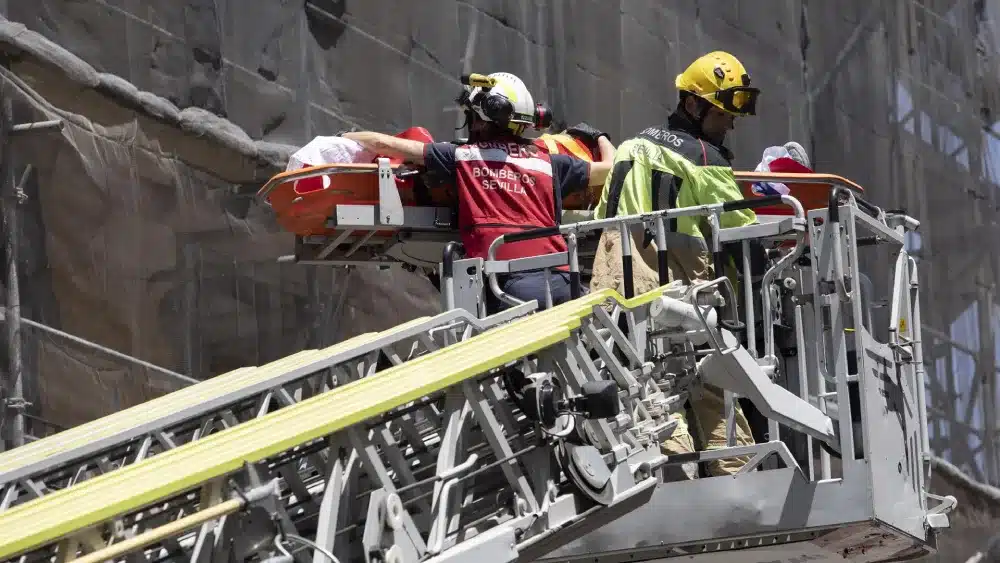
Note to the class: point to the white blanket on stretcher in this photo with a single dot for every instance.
(771, 188)
(329, 150)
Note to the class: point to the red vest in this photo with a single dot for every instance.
(505, 186)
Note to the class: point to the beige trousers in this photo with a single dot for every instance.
(683, 263)
(707, 401)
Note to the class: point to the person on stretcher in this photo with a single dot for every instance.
(504, 182)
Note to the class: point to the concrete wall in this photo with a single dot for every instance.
(286, 71)
(175, 270)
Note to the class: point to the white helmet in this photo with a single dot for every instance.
(493, 104)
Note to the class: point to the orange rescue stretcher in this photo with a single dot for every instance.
(383, 211)
(389, 212)
(305, 199)
(811, 189)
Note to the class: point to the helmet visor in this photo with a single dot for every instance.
(740, 100)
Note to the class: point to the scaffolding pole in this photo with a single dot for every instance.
(13, 415)
(14, 404)
(103, 349)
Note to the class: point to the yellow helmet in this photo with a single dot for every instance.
(720, 79)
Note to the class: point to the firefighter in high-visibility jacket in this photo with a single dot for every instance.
(681, 164)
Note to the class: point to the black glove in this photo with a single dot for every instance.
(587, 132)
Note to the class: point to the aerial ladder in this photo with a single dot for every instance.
(529, 434)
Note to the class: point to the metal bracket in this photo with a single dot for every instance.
(385, 539)
(937, 517)
(17, 403)
(390, 206)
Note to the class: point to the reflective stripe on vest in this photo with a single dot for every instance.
(505, 187)
(550, 144)
(562, 144)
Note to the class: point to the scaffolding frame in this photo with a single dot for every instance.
(927, 44)
(15, 418)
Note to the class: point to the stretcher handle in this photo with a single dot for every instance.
(833, 210)
(452, 250)
(751, 203)
(529, 234)
(575, 282)
(798, 178)
(838, 185)
(399, 170)
(576, 287)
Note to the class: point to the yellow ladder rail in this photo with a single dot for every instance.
(57, 515)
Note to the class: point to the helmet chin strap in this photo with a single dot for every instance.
(469, 120)
(699, 120)
(482, 130)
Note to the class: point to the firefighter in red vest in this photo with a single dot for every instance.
(505, 183)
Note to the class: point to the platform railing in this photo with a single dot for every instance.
(842, 191)
(657, 220)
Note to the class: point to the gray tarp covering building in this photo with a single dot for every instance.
(137, 231)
